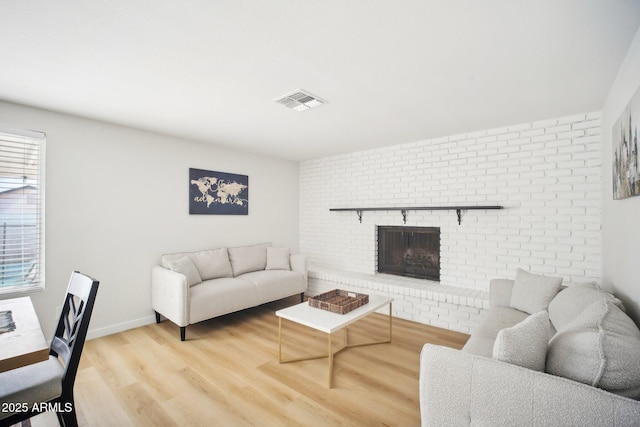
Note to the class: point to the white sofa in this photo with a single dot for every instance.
(189, 287)
(544, 356)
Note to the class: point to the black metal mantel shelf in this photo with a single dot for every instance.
(404, 210)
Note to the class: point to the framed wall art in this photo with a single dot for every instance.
(218, 193)
(626, 171)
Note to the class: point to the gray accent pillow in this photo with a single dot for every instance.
(278, 259)
(601, 347)
(533, 292)
(245, 259)
(185, 266)
(525, 344)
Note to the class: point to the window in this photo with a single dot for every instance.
(21, 210)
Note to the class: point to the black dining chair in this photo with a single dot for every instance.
(48, 386)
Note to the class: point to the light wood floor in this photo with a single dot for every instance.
(227, 374)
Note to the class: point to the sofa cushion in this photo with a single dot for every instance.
(483, 338)
(533, 292)
(524, 344)
(275, 284)
(213, 263)
(245, 259)
(278, 259)
(185, 266)
(600, 347)
(220, 296)
(572, 301)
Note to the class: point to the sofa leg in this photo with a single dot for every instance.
(301, 296)
(183, 333)
(157, 317)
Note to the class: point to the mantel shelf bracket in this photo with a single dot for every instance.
(404, 210)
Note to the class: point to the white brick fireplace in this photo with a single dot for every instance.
(546, 174)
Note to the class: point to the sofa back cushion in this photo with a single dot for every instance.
(211, 264)
(572, 301)
(500, 292)
(245, 259)
(532, 292)
(600, 347)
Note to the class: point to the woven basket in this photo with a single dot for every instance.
(339, 301)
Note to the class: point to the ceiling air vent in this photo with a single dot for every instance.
(300, 100)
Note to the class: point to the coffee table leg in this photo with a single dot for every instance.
(390, 321)
(330, 363)
(279, 339)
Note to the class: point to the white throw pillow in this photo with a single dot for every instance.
(601, 347)
(532, 292)
(185, 266)
(278, 259)
(525, 344)
(245, 259)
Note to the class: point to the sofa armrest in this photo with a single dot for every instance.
(299, 264)
(458, 388)
(500, 292)
(170, 295)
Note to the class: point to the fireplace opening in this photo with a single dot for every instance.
(409, 251)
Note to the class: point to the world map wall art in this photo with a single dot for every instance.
(626, 170)
(218, 193)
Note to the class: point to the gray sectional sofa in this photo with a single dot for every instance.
(544, 356)
(189, 287)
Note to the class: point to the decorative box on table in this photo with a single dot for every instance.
(339, 301)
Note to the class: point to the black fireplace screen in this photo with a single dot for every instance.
(409, 251)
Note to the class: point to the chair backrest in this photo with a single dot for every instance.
(73, 324)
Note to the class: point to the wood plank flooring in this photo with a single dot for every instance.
(227, 374)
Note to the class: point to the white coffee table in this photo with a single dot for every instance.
(325, 321)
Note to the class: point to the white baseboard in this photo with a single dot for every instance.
(101, 332)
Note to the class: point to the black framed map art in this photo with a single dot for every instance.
(218, 193)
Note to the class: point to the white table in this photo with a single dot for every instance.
(26, 344)
(328, 322)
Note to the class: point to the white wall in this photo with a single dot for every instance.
(621, 218)
(117, 198)
(547, 175)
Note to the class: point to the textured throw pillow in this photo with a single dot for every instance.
(185, 266)
(245, 259)
(213, 263)
(572, 301)
(601, 347)
(278, 259)
(524, 344)
(532, 292)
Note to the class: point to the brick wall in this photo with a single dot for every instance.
(546, 174)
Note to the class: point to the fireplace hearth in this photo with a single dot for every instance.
(409, 251)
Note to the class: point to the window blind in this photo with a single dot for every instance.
(21, 210)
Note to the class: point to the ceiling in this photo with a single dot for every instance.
(392, 71)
